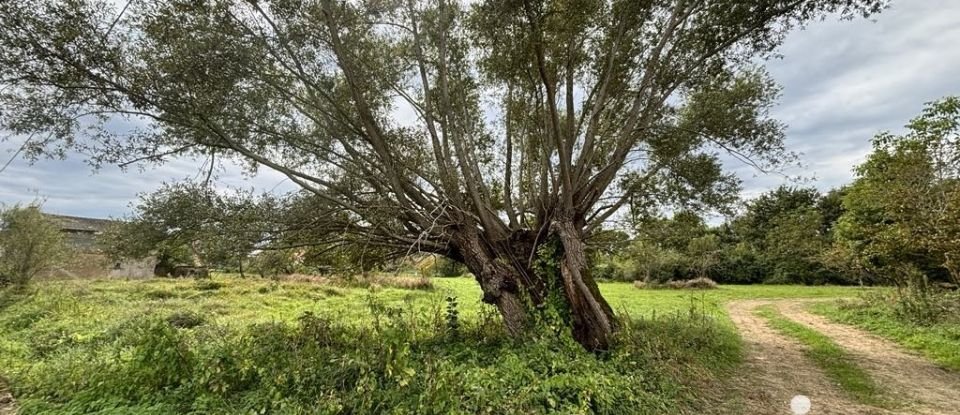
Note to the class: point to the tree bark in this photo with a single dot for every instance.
(593, 321)
(517, 291)
(498, 281)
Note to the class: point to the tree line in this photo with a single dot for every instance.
(897, 223)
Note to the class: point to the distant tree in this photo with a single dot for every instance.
(703, 253)
(535, 121)
(191, 224)
(902, 214)
(794, 246)
(830, 207)
(762, 213)
(651, 263)
(674, 232)
(740, 263)
(30, 243)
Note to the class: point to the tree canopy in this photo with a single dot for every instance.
(525, 122)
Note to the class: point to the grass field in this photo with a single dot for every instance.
(228, 345)
(939, 342)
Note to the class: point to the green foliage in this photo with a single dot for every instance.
(30, 243)
(902, 211)
(125, 358)
(781, 238)
(444, 267)
(272, 263)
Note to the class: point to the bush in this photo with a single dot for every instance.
(445, 267)
(914, 306)
(30, 243)
(272, 263)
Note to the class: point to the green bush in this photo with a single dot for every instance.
(30, 243)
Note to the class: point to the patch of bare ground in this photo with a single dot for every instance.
(7, 405)
(775, 370)
(920, 385)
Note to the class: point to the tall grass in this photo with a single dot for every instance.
(123, 348)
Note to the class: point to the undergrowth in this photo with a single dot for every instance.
(400, 359)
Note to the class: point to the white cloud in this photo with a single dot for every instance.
(843, 82)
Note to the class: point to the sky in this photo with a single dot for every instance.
(843, 82)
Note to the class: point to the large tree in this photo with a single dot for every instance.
(478, 131)
(901, 215)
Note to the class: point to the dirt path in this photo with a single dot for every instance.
(921, 385)
(776, 369)
(7, 405)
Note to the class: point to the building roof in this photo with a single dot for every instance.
(80, 224)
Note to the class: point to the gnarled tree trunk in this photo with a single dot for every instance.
(507, 277)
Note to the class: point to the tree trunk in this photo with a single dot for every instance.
(516, 290)
(497, 280)
(593, 320)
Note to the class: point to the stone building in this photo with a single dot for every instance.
(86, 260)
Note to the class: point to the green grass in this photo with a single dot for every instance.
(836, 362)
(247, 345)
(939, 342)
(648, 302)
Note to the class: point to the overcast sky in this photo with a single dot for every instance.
(842, 83)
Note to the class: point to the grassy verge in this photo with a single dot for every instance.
(939, 342)
(253, 346)
(830, 357)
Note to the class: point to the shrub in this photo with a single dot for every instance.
(913, 306)
(442, 267)
(30, 243)
(405, 366)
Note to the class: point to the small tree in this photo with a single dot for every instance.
(653, 263)
(30, 243)
(704, 254)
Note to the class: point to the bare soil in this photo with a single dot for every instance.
(776, 370)
(7, 405)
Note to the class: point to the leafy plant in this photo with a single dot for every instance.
(30, 243)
